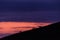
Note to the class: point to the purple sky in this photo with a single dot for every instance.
(32, 0)
(29, 10)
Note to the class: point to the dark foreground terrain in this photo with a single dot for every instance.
(50, 32)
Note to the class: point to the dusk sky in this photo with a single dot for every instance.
(23, 13)
(30, 10)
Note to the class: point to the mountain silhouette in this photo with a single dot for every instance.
(50, 32)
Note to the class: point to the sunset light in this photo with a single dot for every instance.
(13, 27)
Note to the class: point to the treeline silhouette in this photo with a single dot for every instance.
(50, 32)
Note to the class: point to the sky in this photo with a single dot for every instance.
(29, 10)
(13, 12)
(32, 0)
(9, 28)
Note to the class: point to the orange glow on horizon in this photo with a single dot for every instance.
(9, 27)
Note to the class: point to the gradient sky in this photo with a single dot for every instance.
(46, 11)
(30, 10)
(8, 28)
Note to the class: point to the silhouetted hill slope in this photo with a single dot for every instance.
(49, 32)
